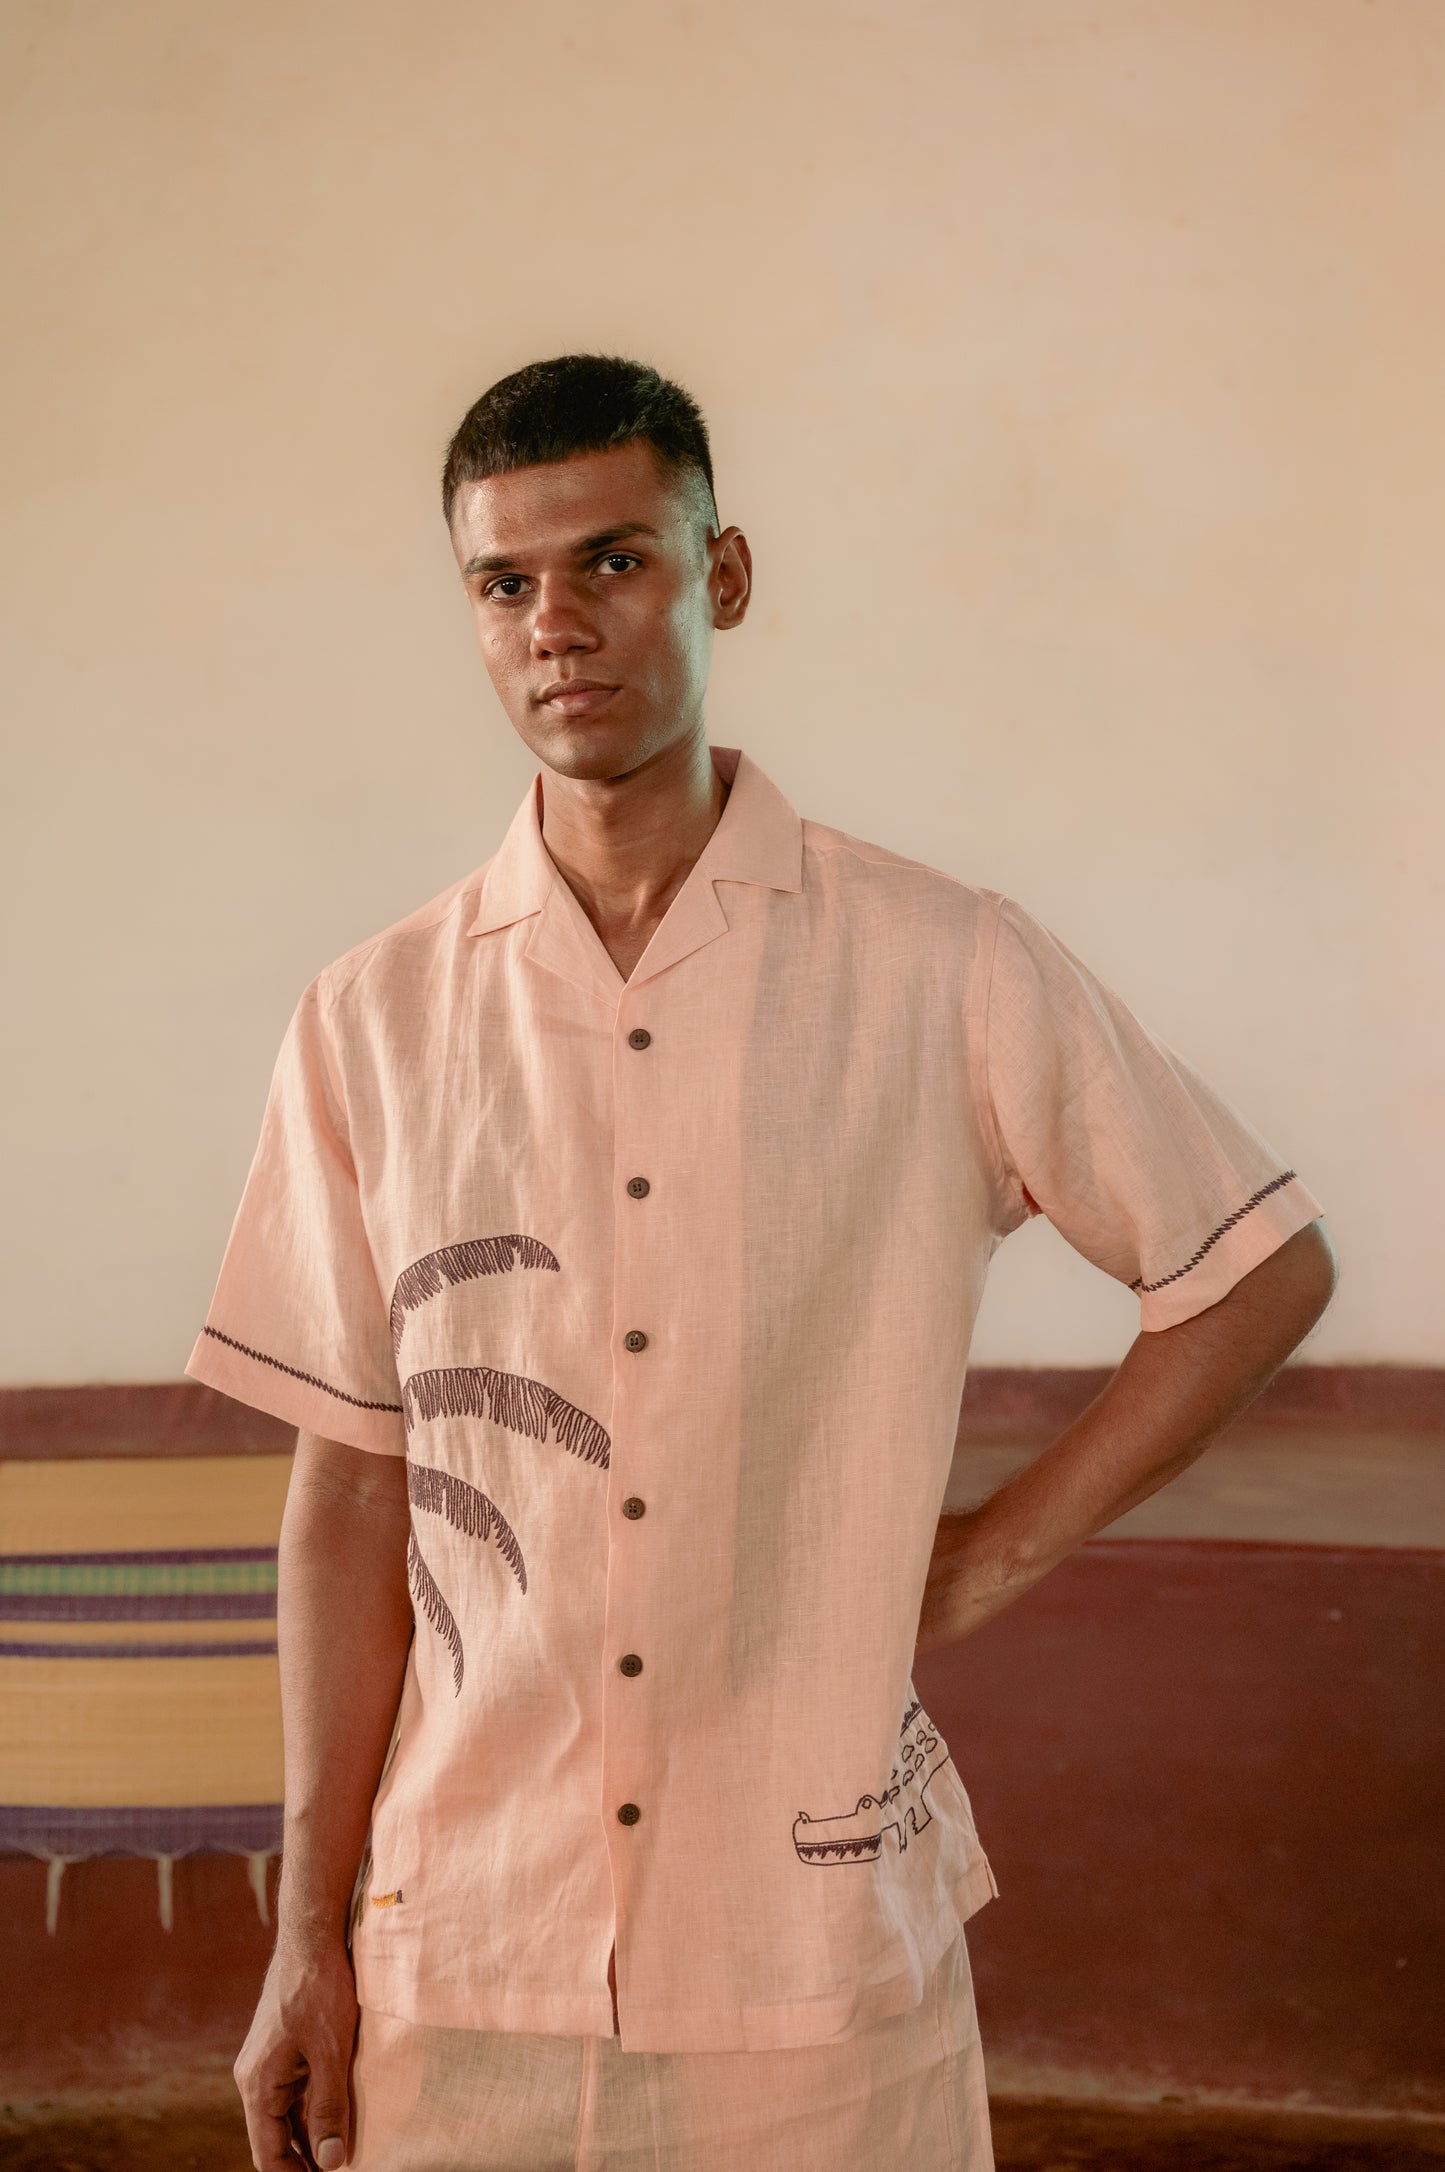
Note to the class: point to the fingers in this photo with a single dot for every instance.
(327, 2133)
(295, 2066)
(268, 2121)
(328, 2106)
(314, 2145)
(278, 2129)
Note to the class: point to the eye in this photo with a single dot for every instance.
(508, 581)
(624, 559)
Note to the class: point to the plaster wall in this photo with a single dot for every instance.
(1073, 371)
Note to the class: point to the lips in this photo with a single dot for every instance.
(578, 697)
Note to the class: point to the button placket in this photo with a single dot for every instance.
(626, 1742)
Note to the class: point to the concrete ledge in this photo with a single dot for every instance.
(1000, 1403)
(1301, 1485)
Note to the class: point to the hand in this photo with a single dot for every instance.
(1177, 1388)
(960, 1590)
(295, 2065)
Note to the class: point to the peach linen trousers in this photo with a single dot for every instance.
(663, 1288)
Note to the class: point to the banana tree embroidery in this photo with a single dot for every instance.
(466, 1509)
(427, 1595)
(457, 1263)
(508, 1399)
(512, 1400)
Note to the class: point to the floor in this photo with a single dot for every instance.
(1028, 2137)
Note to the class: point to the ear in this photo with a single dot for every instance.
(732, 578)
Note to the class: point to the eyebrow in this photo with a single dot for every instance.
(582, 549)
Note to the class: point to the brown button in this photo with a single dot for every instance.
(634, 1506)
(628, 1814)
(630, 1663)
(634, 1339)
(638, 1187)
(638, 1037)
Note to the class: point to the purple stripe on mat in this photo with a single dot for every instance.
(137, 1606)
(158, 1559)
(212, 1829)
(137, 1651)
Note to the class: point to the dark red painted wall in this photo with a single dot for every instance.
(111, 1996)
(1211, 1781)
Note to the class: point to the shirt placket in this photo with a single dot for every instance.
(638, 1507)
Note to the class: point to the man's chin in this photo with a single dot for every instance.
(604, 746)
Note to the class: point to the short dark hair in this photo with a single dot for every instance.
(578, 403)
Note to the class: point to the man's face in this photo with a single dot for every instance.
(596, 588)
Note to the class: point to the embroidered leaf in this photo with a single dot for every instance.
(509, 1399)
(464, 1262)
(435, 1608)
(466, 1509)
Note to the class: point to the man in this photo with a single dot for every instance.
(614, 1241)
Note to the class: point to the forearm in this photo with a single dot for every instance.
(1176, 1389)
(344, 1627)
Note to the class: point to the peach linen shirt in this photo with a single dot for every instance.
(664, 1288)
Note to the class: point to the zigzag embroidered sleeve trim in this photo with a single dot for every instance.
(309, 1379)
(1145, 1289)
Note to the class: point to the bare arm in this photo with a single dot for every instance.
(1176, 1389)
(344, 1627)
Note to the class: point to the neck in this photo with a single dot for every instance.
(626, 845)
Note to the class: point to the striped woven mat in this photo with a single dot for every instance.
(139, 1698)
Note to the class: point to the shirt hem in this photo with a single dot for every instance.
(788, 2026)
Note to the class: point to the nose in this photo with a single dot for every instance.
(560, 625)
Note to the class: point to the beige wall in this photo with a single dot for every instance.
(1074, 371)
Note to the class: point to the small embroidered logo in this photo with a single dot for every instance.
(387, 1900)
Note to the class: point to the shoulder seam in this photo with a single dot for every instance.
(862, 851)
(331, 982)
(1012, 1181)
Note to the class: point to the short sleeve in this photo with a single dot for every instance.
(1136, 1159)
(297, 1326)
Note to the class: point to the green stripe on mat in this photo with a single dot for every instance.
(142, 1579)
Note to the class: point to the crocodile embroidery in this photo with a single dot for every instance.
(856, 1836)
